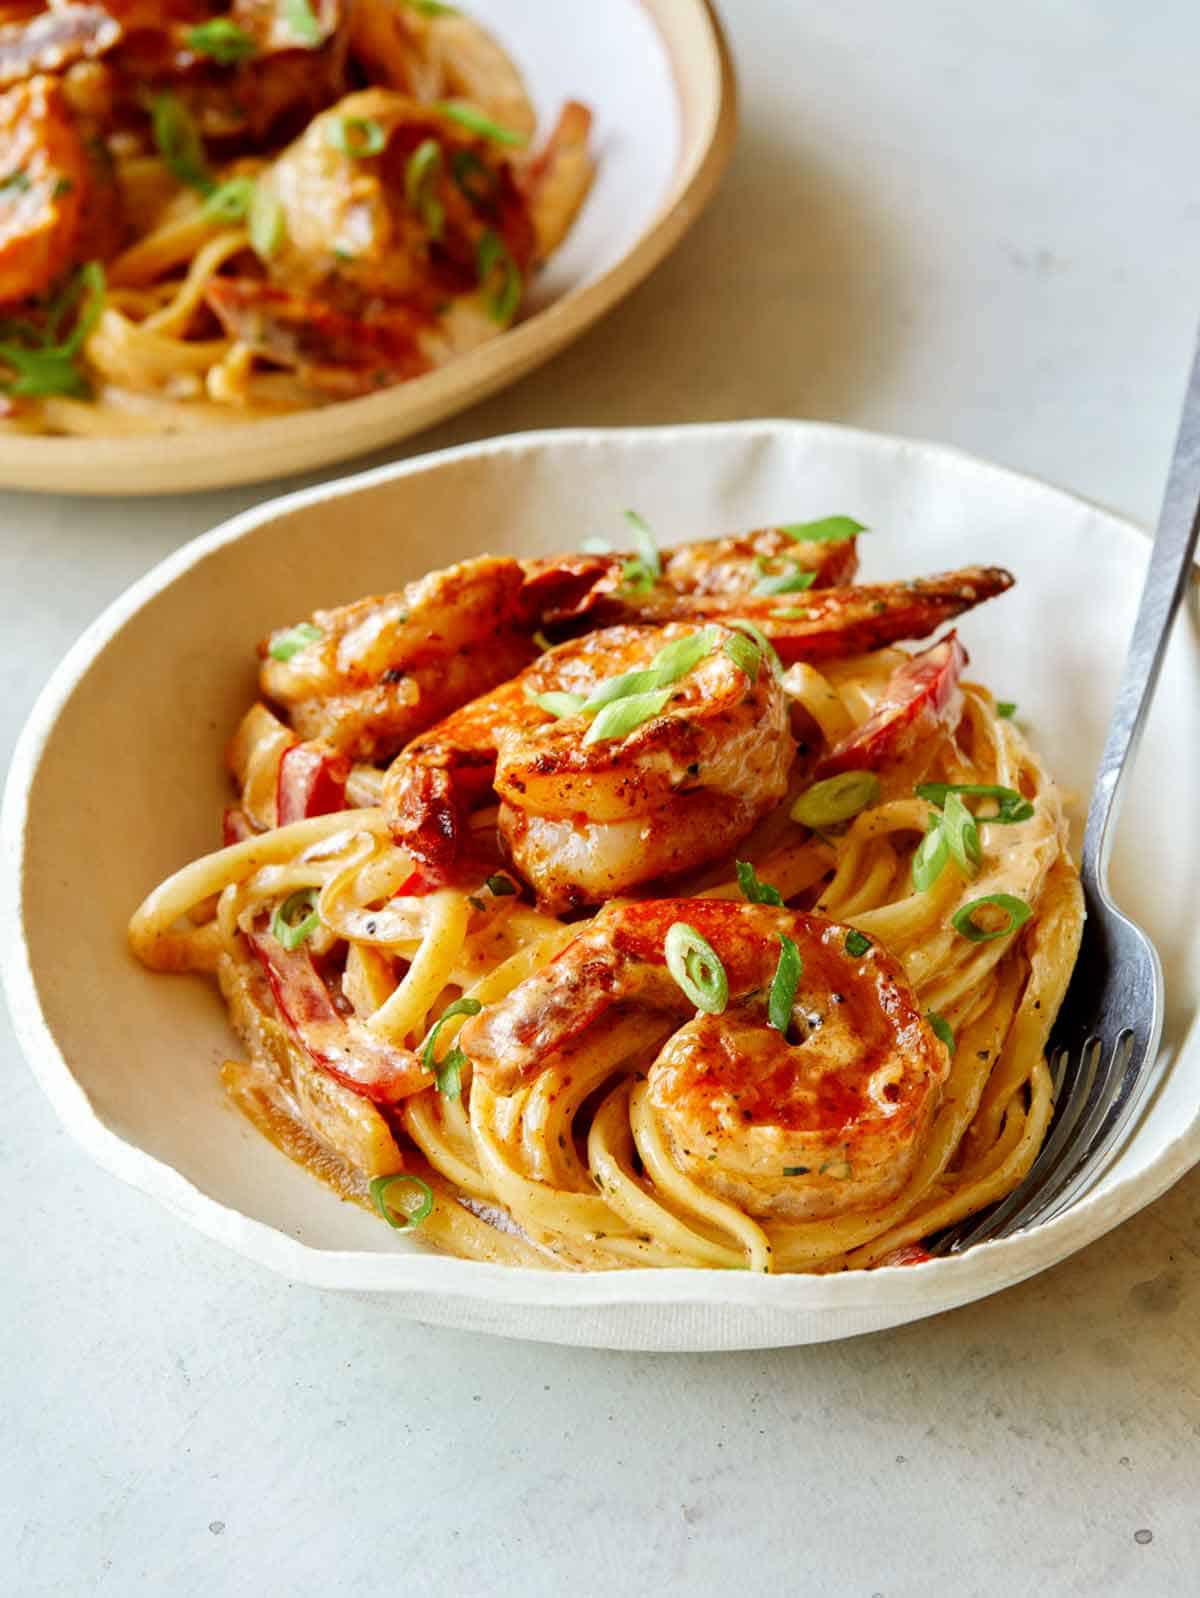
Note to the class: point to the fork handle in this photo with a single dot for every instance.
(1166, 584)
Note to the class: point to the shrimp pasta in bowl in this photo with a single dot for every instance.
(214, 213)
(640, 907)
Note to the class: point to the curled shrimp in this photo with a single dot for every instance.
(367, 677)
(585, 815)
(826, 1117)
(45, 169)
(825, 623)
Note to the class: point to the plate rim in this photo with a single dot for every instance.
(240, 453)
(989, 1267)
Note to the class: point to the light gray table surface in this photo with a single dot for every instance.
(947, 218)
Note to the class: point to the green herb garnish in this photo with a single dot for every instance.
(797, 581)
(933, 852)
(230, 201)
(492, 256)
(43, 364)
(501, 886)
(449, 1070)
(941, 1029)
(784, 984)
(745, 655)
(557, 703)
(179, 143)
(357, 137)
(857, 944)
(1006, 708)
(837, 799)
(473, 119)
(696, 967)
(1010, 805)
(754, 889)
(963, 920)
(827, 530)
(221, 40)
(962, 836)
(421, 176)
(754, 631)
(296, 919)
(288, 643)
(623, 716)
(16, 182)
(267, 225)
(303, 23)
(381, 1186)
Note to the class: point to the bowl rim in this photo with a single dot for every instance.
(983, 1270)
(705, 86)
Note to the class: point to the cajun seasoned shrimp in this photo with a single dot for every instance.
(44, 172)
(354, 208)
(369, 676)
(835, 622)
(557, 180)
(716, 566)
(437, 56)
(826, 1117)
(593, 804)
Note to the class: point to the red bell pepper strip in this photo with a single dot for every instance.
(922, 700)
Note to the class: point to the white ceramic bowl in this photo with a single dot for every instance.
(658, 77)
(117, 781)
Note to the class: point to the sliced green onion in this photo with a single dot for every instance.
(673, 661)
(827, 530)
(793, 615)
(433, 8)
(541, 640)
(221, 40)
(745, 655)
(421, 177)
(16, 182)
(267, 225)
(302, 22)
(355, 136)
(492, 252)
(231, 200)
(637, 577)
(784, 984)
(857, 944)
(179, 142)
(1011, 806)
(381, 1186)
(753, 630)
(596, 546)
(556, 703)
(624, 716)
(836, 799)
(931, 857)
(962, 835)
(794, 582)
(289, 925)
(1006, 708)
(62, 186)
(963, 920)
(43, 366)
(645, 543)
(286, 644)
(696, 967)
(448, 1071)
(472, 118)
(501, 886)
(796, 1170)
(465, 167)
(754, 889)
(941, 1029)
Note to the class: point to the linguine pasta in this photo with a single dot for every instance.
(576, 1162)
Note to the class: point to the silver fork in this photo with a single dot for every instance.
(1107, 1033)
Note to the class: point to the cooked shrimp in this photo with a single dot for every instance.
(717, 566)
(43, 181)
(350, 214)
(583, 816)
(438, 56)
(557, 180)
(369, 676)
(827, 1117)
(834, 622)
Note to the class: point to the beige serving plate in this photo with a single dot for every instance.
(658, 76)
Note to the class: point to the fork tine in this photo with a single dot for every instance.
(1077, 1082)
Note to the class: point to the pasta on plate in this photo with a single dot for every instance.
(645, 908)
(213, 213)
